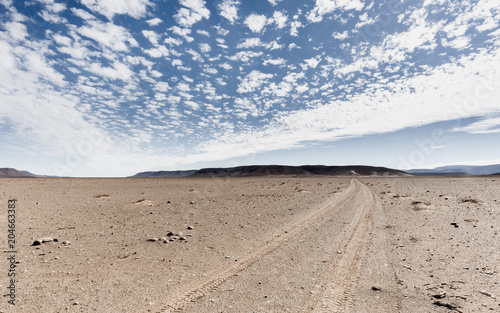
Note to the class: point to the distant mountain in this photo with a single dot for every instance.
(304, 170)
(12, 172)
(165, 174)
(459, 170)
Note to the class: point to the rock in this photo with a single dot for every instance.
(454, 224)
(376, 288)
(36, 242)
(170, 233)
(180, 234)
(191, 202)
(190, 227)
(173, 238)
(56, 240)
(66, 242)
(164, 239)
(182, 238)
(440, 295)
(152, 239)
(46, 239)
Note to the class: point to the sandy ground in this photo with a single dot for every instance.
(278, 244)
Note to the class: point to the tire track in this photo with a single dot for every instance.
(341, 277)
(198, 288)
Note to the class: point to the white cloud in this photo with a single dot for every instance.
(154, 21)
(340, 36)
(245, 56)
(83, 14)
(279, 18)
(253, 81)
(256, 22)
(52, 18)
(458, 43)
(183, 32)
(108, 35)
(294, 28)
(193, 105)
(108, 8)
(152, 36)
(324, 7)
(484, 126)
(249, 43)
(229, 10)
(312, 62)
(470, 87)
(117, 71)
(195, 55)
(205, 47)
(278, 61)
(221, 31)
(17, 31)
(274, 2)
(226, 66)
(203, 32)
(157, 52)
(193, 12)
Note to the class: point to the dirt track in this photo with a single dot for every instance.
(257, 245)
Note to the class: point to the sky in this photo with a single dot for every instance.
(116, 87)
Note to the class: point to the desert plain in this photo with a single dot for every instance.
(256, 244)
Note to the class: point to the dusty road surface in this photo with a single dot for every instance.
(269, 244)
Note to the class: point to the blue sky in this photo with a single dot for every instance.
(114, 87)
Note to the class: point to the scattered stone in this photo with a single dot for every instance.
(180, 234)
(173, 238)
(36, 242)
(164, 239)
(182, 238)
(451, 306)
(190, 227)
(170, 233)
(454, 224)
(376, 288)
(56, 240)
(339, 252)
(169, 201)
(440, 295)
(46, 239)
(66, 243)
(153, 239)
(486, 293)
(191, 202)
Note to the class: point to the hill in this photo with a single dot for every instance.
(12, 172)
(460, 170)
(304, 170)
(165, 174)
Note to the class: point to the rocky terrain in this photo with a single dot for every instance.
(256, 244)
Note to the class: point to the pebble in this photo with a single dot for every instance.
(152, 239)
(164, 239)
(182, 238)
(376, 288)
(190, 227)
(46, 239)
(37, 242)
(66, 242)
